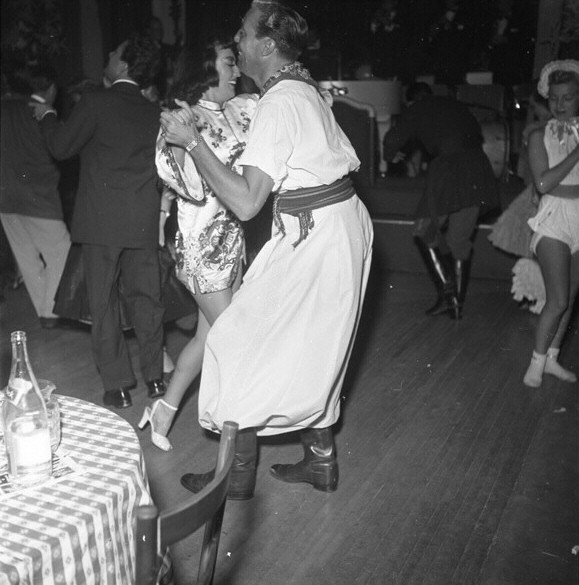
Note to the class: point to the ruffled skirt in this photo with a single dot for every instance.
(558, 218)
(511, 232)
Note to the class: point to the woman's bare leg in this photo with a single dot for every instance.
(554, 259)
(190, 360)
(552, 366)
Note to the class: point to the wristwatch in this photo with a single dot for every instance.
(194, 142)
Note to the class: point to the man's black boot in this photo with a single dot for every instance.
(319, 467)
(441, 268)
(243, 470)
(461, 275)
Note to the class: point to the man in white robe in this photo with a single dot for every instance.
(275, 360)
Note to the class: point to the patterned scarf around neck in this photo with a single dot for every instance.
(295, 71)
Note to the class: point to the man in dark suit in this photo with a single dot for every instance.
(116, 214)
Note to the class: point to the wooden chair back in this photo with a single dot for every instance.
(156, 530)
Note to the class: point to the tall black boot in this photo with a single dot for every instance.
(461, 274)
(441, 268)
(319, 467)
(243, 471)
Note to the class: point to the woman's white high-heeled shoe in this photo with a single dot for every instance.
(157, 438)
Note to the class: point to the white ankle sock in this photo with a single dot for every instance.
(553, 367)
(534, 375)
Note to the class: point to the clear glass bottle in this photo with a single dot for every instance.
(26, 431)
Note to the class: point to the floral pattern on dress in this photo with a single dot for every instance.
(216, 250)
(244, 122)
(216, 136)
(209, 245)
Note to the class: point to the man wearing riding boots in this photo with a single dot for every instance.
(460, 180)
(275, 360)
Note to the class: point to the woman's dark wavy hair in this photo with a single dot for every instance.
(195, 71)
(143, 58)
(284, 25)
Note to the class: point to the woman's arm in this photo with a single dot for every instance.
(183, 179)
(244, 194)
(547, 180)
(179, 155)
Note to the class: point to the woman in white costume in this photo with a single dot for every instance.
(554, 161)
(210, 243)
(276, 358)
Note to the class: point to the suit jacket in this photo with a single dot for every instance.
(28, 173)
(115, 131)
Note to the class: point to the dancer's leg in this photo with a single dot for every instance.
(554, 259)
(188, 365)
(552, 366)
(190, 360)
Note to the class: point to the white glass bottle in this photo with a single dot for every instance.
(26, 431)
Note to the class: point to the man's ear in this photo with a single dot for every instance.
(268, 47)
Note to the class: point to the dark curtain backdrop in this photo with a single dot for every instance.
(119, 18)
(342, 25)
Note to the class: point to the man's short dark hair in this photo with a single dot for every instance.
(284, 25)
(143, 57)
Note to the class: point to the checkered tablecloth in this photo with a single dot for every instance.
(79, 530)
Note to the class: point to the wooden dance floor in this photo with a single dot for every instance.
(452, 471)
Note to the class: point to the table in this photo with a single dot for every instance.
(79, 530)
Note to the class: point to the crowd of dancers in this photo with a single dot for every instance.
(215, 156)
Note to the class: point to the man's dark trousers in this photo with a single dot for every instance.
(137, 271)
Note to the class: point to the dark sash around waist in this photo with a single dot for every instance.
(301, 202)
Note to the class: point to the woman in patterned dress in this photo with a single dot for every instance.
(554, 161)
(210, 246)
